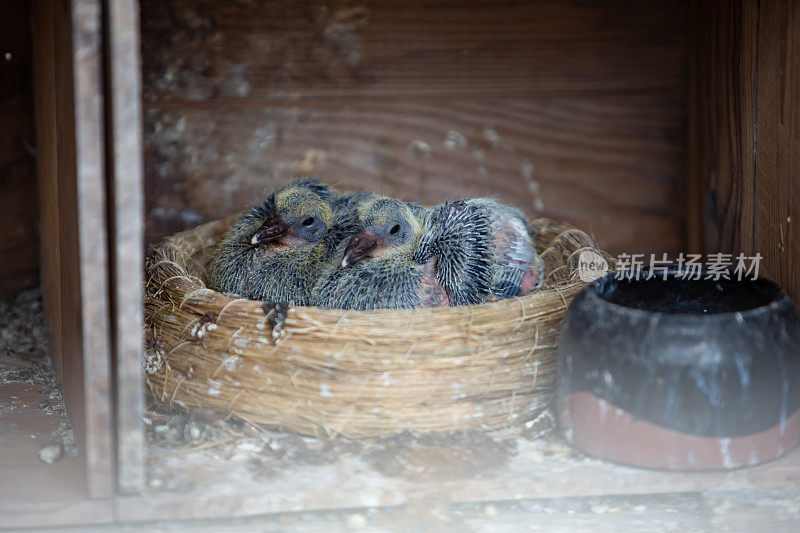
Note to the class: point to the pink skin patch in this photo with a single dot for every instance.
(529, 281)
(431, 292)
(507, 238)
(378, 251)
(291, 241)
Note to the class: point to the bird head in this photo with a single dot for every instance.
(296, 215)
(385, 226)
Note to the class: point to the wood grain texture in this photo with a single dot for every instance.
(607, 164)
(19, 236)
(201, 50)
(722, 138)
(537, 470)
(92, 252)
(46, 104)
(745, 140)
(777, 158)
(126, 233)
(74, 235)
(573, 109)
(33, 493)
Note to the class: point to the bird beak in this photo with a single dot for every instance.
(271, 230)
(360, 246)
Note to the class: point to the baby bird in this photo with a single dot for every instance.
(483, 249)
(376, 268)
(275, 251)
(518, 269)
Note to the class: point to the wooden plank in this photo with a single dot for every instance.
(588, 100)
(92, 253)
(538, 469)
(126, 230)
(33, 493)
(721, 164)
(745, 140)
(777, 158)
(287, 50)
(19, 239)
(47, 142)
(610, 164)
(695, 172)
(71, 369)
(76, 220)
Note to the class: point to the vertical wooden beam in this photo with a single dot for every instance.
(73, 206)
(722, 126)
(93, 258)
(777, 166)
(126, 232)
(694, 183)
(744, 139)
(47, 167)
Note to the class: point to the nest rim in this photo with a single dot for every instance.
(176, 291)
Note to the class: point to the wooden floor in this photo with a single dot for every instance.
(222, 482)
(33, 492)
(716, 512)
(538, 484)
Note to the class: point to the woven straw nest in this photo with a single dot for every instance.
(354, 373)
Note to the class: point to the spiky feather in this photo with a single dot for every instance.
(458, 236)
(274, 272)
(393, 280)
(483, 249)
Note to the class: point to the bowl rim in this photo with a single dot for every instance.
(778, 299)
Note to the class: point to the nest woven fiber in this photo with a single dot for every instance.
(354, 373)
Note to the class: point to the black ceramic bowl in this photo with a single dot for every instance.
(681, 374)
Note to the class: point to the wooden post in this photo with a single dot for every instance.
(744, 141)
(126, 232)
(776, 195)
(73, 206)
(45, 106)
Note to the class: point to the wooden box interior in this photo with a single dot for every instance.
(659, 127)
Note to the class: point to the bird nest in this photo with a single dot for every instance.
(354, 373)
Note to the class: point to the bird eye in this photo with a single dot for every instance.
(308, 221)
(394, 229)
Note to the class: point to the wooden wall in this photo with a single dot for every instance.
(72, 196)
(745, 136)
(88, 128)
(19, 238)
(575, 110)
